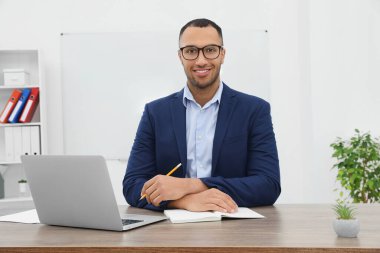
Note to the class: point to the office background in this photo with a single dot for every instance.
(107, 78)
(324, 69)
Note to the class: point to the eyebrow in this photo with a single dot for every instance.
(203, 46)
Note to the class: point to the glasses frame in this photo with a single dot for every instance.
(201, 49)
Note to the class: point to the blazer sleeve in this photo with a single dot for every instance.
(261, 186)
(141, 164)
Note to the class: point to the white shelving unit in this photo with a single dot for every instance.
(30, 61)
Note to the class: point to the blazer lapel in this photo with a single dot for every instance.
(178, 112)
(226, 108)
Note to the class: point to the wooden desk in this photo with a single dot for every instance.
(286, 228)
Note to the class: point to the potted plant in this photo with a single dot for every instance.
(345, 224)
(22, 186)
(358, 165)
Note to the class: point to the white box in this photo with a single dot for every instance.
(13, 77)
(25, 132)
(35, 141)
(9, 150)
(17, 143)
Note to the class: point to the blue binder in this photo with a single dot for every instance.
(15, 115)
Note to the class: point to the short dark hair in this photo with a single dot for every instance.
(202, 22)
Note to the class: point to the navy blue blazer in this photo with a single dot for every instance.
(244, 158)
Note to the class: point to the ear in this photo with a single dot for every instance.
(222, 54)
(180, 56)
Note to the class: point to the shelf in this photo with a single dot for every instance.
(21, 124)
(21, 133)
(18, 51)
(16, 199)
(10, 163)
(2, 87)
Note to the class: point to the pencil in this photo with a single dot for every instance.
(169, 173)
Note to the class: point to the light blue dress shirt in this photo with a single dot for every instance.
(200, 130)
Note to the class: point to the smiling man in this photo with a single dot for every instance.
(223, 138)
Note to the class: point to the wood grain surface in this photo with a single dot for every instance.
(286, 228)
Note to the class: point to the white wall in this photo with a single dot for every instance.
(345, 78)
(324, 61)
(287, 91)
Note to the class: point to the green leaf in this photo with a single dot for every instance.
(358, 166)
(344, 211)
(371, 184)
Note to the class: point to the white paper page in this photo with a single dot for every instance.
(29, 217)
(243, 212)
(183, 216)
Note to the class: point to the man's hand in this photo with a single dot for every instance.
(161, 188)
(208, 200)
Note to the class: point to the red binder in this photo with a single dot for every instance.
(10, 105)
(30, 107)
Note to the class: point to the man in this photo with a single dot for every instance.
(223, 138)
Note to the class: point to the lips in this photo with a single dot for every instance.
(201, 72)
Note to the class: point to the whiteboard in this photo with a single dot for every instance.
(107, 78)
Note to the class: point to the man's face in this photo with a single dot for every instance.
(201, 73)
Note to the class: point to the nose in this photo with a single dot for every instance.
(201, 60)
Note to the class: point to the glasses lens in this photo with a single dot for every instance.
(190, 53)
(211, 52)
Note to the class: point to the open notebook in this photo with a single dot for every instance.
(184, 216)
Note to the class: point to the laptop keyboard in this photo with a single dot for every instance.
(129, 221)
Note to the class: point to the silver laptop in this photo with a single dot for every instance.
(76, 191)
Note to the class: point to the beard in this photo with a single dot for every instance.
(203, 85)
(200, 85)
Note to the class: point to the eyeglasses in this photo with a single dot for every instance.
(210, 52)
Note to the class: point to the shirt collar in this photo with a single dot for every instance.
(187, 96)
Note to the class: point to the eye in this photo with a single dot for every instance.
(190, 50)
(211, 49)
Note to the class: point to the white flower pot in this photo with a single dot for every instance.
(346, 228)
(23, 189)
